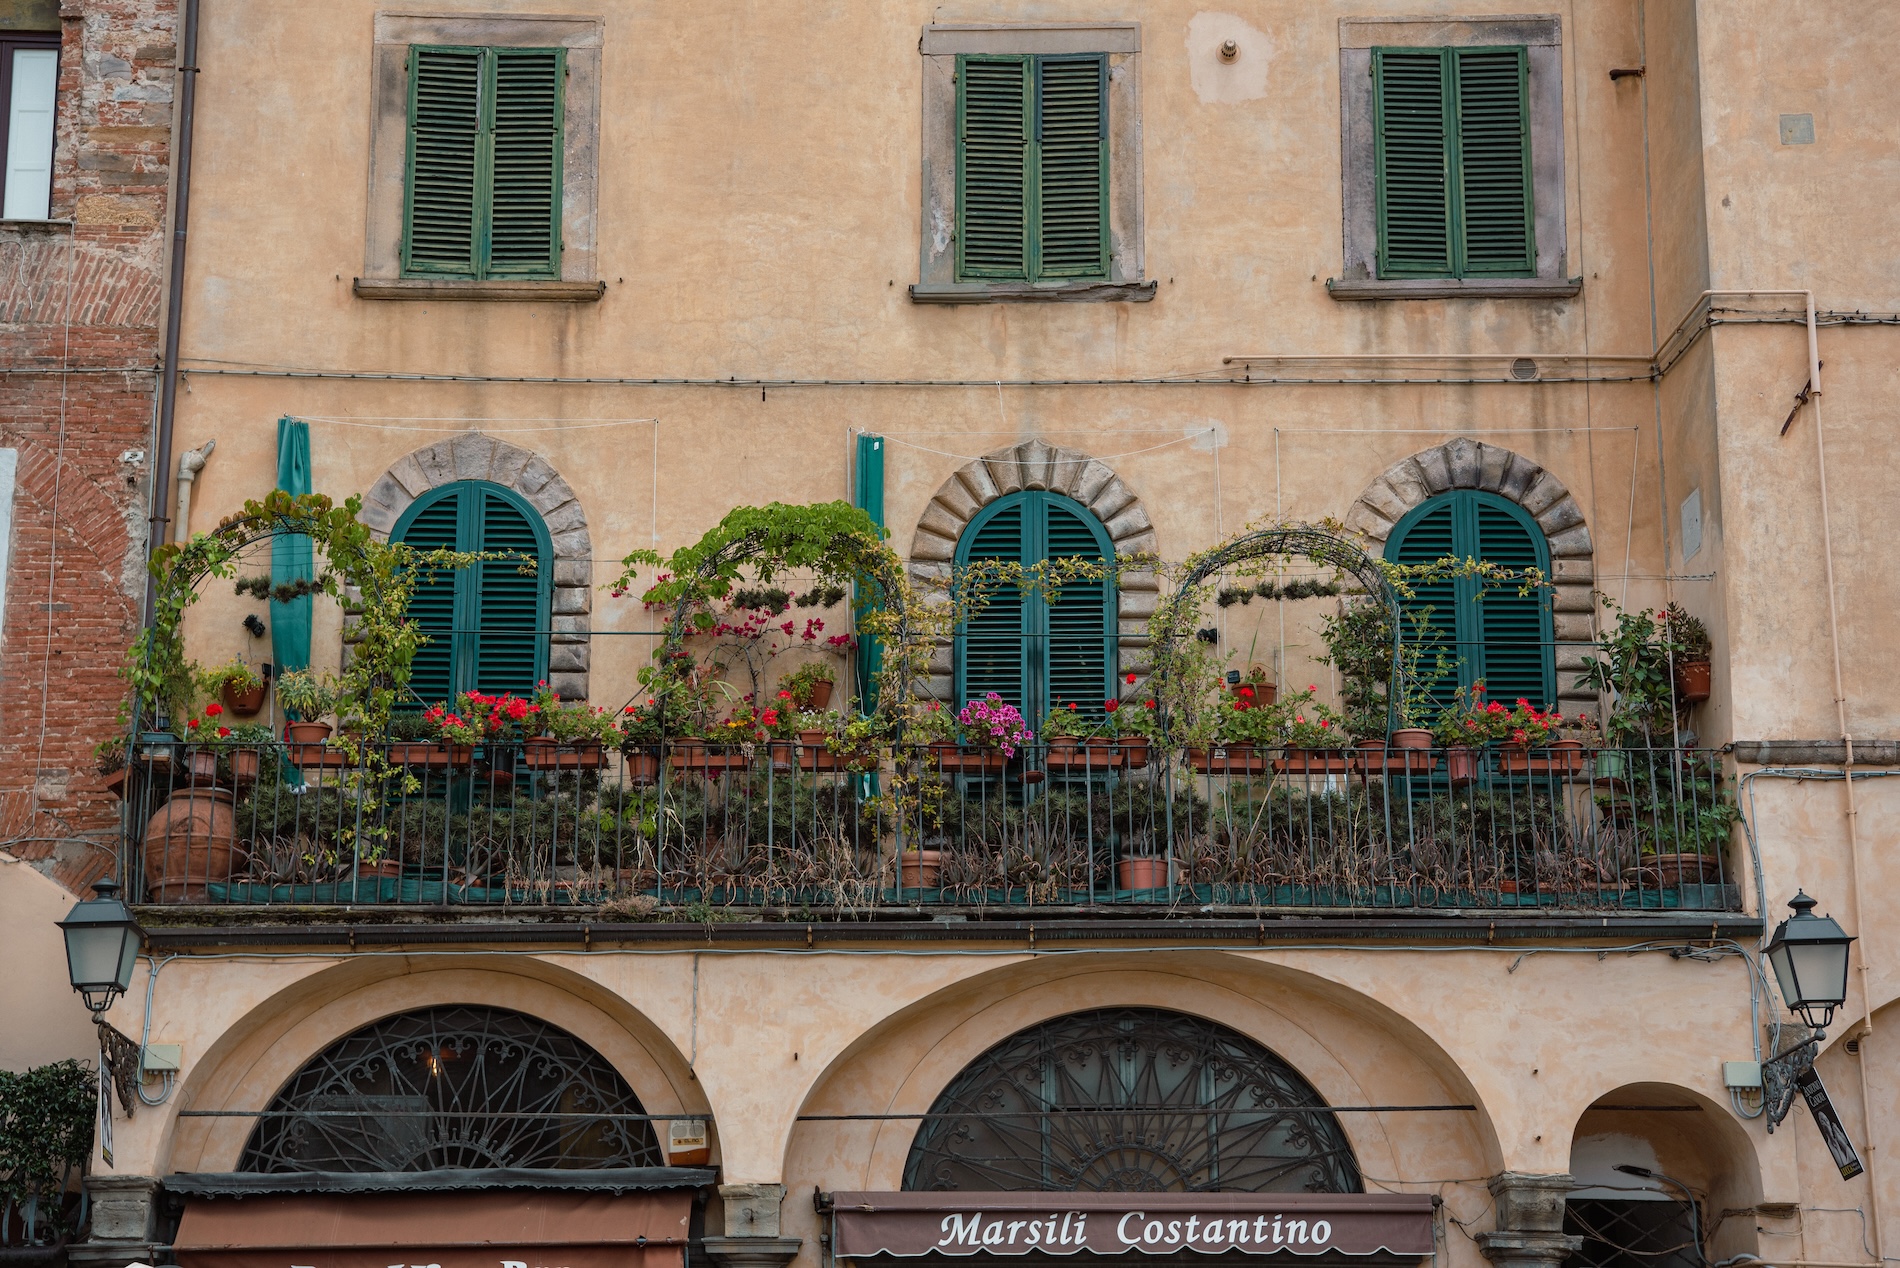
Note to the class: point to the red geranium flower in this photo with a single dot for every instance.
(213, 710)
(1247, 692)
(224, 732)
(1111, 705)
(1129, 679)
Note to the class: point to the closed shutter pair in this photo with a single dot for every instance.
(1453, 162)
(484, 173)
(1032, 168)
(484, 623)
(1495, 634)
(1039, 655)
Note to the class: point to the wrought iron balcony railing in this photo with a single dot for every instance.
(649, 833)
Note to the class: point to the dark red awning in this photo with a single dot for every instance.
(906, 1224)
(507, 1229)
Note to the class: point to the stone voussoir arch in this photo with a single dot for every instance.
(1035, 464)
(475, 455)
(1464, 463)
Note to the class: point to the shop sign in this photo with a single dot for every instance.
(907, 1224)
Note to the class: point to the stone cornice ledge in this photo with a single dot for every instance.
(1031, 292)
(1454, 288)
(541, 292)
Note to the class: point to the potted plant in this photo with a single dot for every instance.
(1533, 729)
(203, 735)
(306, 698)
(1689, 643)
(239, 688)
(1238, 726)
(1314, 736)
(457, 732)
(640, 729)
(992, 730)
(244, 748)
(1462, 729)
(859, 744)
(1066, 731)
(1632, 663)
(1137, 726)
(933, 726)
(572, 733)
(809, 686)
(811, 728)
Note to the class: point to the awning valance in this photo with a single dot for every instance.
(514, 1228)
(1027, 1223)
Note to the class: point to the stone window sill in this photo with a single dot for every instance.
(1455, 288)
(1031, 292)
(543, 292)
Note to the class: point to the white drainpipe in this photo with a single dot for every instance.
(190, 463)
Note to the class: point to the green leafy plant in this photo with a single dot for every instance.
(307, 695)
(234, 673)
(46, 1124)
(807, 676)
(1305, 721)
(1632, 662)
(1066, 721)
(1686, 635)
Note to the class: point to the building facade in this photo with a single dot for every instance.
(1580, 304)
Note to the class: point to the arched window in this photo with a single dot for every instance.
(1131, 1100)
(1503, 638)
(455, 1086)
(487, 625)
(1033, 653)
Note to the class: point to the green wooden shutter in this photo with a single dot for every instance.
(1072, 167)
(485, 152)
(525, 225)
(1494, 161)
(868, 496)
(441, 213)
(1502, 638)
(1424, 538)
(1453, 162)
(1411, 136)
(1079, 649)
(1513, 630)
(993, 131)
(432, 606)
(511, 649)
(993, 647)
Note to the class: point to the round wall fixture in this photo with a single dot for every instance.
(1229, 50)
(1524, 369)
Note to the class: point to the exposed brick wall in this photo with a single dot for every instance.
(80, 314)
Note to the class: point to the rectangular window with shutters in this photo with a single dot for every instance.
(1032, 167)
(29, 85)
(1452, 128)
(482, 196)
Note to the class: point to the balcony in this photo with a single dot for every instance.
(779, 830)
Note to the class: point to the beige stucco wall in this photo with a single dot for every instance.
(759, 204)
(35, 985)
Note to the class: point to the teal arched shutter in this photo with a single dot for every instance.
(1430, 617)
(1033, 653)
(1503, 638)
(487, 624)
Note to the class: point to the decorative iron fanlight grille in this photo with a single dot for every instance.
(1131, 1100)
(455, 1086)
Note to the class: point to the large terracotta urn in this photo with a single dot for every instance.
(190, 843)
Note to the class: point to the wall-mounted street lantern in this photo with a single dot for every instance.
(1809, 955)
(102, 943)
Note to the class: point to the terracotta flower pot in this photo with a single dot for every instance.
(306, 732)
(1142, 872)
(1461, 765)
(538, 751)
(783, 754)
(920, 869)
(245, 764)
(1134, 751)
(191, 842)
(642, 765)
(1692, 681)
(1559, 757)
(952, 760)
(1666, 871)
(1312, 761)
(812, 753)
(1411, 737)
(202, 767)
(246, 703)
(1226, 759)
(820, 696)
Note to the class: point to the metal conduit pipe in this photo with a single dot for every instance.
(175, 284)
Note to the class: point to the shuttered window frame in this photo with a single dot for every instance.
(490, 149)
(1030, 621)
(1459, 615)
(471, 590)
(1475, 180)
(1059, 241)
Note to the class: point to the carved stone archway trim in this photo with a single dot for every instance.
(1035, 464)
(477, 456)
(1464, 463)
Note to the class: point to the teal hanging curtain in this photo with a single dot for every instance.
(291, 555)
(868, 495)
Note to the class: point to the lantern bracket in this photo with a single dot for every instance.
(1779, 1075)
